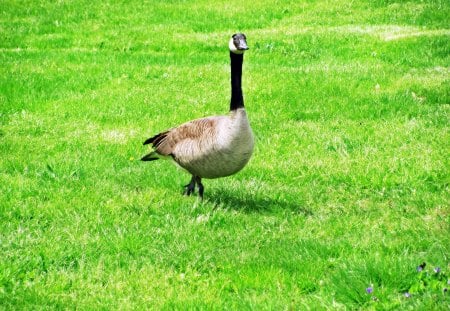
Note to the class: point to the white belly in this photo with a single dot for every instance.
(222, 153)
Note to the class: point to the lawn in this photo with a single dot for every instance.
(345, 197)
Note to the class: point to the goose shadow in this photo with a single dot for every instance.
(252, 203)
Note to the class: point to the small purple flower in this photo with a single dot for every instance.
(369, 290)
(407, 295)
(437, 270)
(421, 267)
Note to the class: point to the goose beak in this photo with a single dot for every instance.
(242, 45)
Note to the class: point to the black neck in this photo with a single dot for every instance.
(237, 99)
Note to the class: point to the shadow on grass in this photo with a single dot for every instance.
(254, 203)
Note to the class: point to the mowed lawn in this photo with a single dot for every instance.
(345, 197)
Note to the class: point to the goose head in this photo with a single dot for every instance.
(238, 43)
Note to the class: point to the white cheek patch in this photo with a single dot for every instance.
(233, 47)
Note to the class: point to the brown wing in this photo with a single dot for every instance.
(165, 142)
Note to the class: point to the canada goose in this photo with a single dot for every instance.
(211, 147)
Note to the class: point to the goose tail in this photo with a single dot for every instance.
(150, 157)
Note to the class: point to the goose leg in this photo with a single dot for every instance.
(200, 187)
(190, 187)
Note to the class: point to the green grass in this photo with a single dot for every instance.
(348, 186)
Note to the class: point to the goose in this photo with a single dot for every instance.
(211, 147)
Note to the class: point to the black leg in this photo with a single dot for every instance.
(200, 187)
(190, 187)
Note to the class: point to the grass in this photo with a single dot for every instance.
(348, 187)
